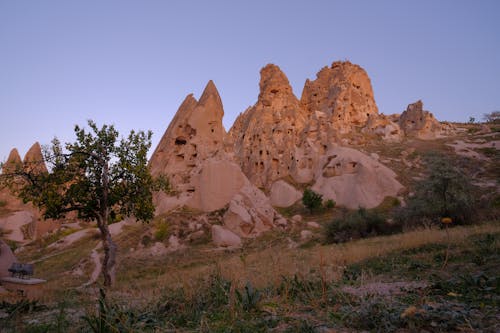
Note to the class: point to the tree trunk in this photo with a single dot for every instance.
(110, 248)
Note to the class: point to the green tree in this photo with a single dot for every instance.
(446, 191)
(99, 176)
(311, 199)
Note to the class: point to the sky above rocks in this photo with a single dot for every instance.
(131, 63)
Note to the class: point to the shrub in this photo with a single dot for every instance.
(446, 191)
(162, 231)
(358, 224)
(311, 199)
(330, 204)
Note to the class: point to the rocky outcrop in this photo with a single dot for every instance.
(283, 194)
(353, 179)
(343, 92)
(195, 134)
(266, 134)
(13, 162)
(224, 238)
(193, 153)
(384, 127)
(415, 122)
(33, 160)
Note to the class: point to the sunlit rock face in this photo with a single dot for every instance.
(266, 134)
(33, 160)
(196, 156)
(195, 134)
(415, 122)
(343, 93)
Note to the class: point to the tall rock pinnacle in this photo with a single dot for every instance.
(265, 135)
(13, 162)
(33, 160)
(344, 93)
(195, 133)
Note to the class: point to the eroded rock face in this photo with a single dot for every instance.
(415, 122)
(224, 238)
(13, 162)
(195, 156)
(216, 184)
(33, 160)
(283, 194)
(266, 134)
(195, 134)
(353, 179)
(343, 92)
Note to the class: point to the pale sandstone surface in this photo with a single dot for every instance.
(415, 122)
(265, 135)
(344, 93)
(353, 179)
(224, 238)
(13, 225)
(194, 154)
(283, 194)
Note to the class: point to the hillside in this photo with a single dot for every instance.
(232, 247)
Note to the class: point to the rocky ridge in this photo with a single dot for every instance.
(274, 149)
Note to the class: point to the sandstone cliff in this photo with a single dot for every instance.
(266, 134)
(194, 154)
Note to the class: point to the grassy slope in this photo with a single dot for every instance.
(301, 289)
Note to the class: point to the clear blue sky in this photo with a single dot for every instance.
(131, 63)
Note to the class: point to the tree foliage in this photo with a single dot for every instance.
(446, 191)
(99, 176)
(492, 117)
(311, 199)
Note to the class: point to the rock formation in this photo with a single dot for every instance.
(266, 134)
(354, 179)
(33, 160)
(343, 92)
(194, 154)
(283, 194)
(195, 134)
(13, 162)
(415, 122)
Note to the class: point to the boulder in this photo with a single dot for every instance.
(19, 227)
(224, 238)
(216, 184)
(306, 235)
(250, 213)
(283, 194)
(353, 179)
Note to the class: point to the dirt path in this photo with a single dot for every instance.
(96, 259)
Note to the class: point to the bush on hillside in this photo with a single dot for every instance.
(446, 191)
(311, 199)
(358, 224)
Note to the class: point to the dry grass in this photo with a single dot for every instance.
(266, 266)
